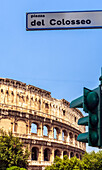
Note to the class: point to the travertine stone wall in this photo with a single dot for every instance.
(24, 106)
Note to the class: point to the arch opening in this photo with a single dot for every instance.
(45, 130)
(64, 135)
(71, 154)
(57, 153)
(65, 153)
(77, 155)
(34, 154)
(34, 128)
(47, 154)
(56, 133)
(71, 138)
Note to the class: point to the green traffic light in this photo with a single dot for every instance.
(93, 119)
(93, 137)
(92, 100)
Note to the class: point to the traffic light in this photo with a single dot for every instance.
(91, 105)
(91, 102)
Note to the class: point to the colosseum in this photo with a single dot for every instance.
(45, 124)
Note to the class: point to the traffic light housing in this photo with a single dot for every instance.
(91, 103)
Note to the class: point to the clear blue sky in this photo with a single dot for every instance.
(62, 62)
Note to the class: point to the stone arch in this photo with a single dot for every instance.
(65, 153)
(34, 128)
(47, 153)
(77, 155)
(70, 138)
(71, 154)
(21, 126)
(57, 153)
(34, 153)
(64, 135)
(46, 130)
(56, 132)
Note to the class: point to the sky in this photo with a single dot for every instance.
(59, 61)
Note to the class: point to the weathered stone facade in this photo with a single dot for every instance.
(45, 124)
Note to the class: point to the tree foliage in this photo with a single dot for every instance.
(90, 161)
(15, 168)
(11, 151)
(66, 164)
